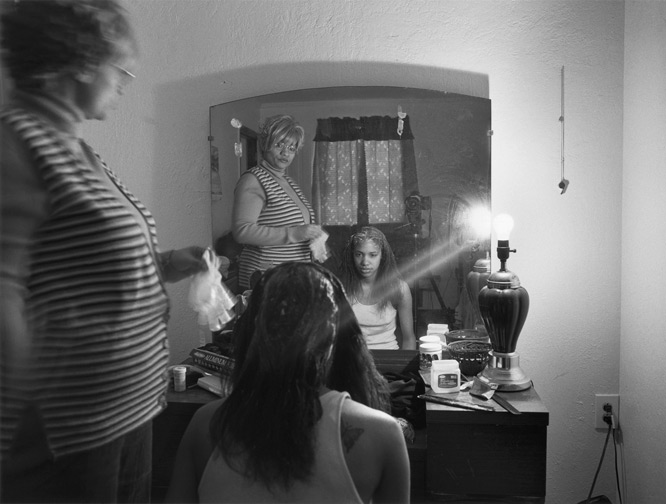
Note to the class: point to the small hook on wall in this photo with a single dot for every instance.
(401, 122)
(564, 184)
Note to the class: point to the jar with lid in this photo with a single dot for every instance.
(445, 376)
(429, 353)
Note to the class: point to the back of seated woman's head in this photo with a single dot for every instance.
(297, 334)
(42, 39)
(283, 344)
(290, 324)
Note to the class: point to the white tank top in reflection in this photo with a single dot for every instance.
(378, 326)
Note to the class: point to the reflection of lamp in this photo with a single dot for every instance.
(480, 223)
(504, 304)
(477, 280)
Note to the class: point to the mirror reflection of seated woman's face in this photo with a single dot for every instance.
(367, 256)
(281, 154)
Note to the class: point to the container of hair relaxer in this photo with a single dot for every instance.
(445, 376)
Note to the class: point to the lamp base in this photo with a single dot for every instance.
(504, 370)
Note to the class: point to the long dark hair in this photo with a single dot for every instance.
(387, 287)
(291, 341)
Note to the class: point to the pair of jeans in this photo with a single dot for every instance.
(118, 471)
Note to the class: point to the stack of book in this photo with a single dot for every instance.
(210, 358)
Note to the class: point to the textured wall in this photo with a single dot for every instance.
(198, 53)
(643, 230)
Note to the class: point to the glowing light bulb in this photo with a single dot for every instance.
(503, 224)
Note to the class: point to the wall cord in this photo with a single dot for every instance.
(617, 473)
(603, 452)
(611, 429)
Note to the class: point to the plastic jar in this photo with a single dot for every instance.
(429, 352)
(445, 376)
(431, 338)
(438, 330)
(179, 376)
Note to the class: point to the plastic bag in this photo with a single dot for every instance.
(319, 249)
(209, 297)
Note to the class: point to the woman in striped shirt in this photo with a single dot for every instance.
(83, 305)
(271, 216)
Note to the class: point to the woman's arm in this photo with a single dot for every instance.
(394, 485)
(376, 454)
(406, 318)
(249, 201)
(182, 263)
(192, 456)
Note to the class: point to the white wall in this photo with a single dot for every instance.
(643, 231)
(199, 53)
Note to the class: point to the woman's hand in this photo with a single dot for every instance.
(306, 232)
(182, 263)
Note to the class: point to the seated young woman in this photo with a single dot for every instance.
(376, 291)
(287, 433)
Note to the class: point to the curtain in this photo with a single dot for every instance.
(363, 170)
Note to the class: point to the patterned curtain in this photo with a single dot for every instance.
(363, 170)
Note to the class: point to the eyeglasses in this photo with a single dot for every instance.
(280, 146)
(126, 73)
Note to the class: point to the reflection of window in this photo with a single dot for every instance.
(363, 170)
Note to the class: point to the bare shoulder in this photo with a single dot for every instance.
(375, 452)
(360, 423)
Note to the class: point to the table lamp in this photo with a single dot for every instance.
(504, 304)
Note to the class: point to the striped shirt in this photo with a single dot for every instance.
(280, 211)
(95, 303)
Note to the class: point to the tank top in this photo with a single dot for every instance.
(378, 326)
(331, 481)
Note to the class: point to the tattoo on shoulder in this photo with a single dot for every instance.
(349, 434)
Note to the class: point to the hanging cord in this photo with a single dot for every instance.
(594, 481)
(564, 183)
(617, 474)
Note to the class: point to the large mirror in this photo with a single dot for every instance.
(447, 138)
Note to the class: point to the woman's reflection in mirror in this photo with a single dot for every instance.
(285, 433)
(272, 218)
(377, 293)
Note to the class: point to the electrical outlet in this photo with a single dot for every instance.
(600, 400)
